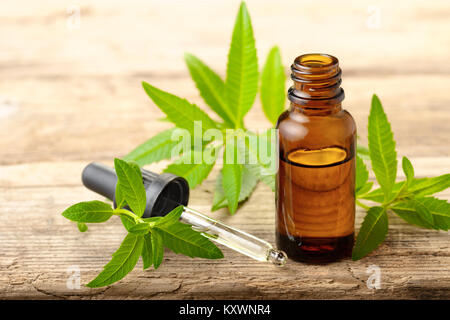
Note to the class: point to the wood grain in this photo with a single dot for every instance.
(69, 96)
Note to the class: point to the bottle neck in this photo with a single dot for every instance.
(317, 84)
(315, 111)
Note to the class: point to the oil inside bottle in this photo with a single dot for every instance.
(315, 205)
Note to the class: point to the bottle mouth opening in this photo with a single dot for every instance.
(315, 62)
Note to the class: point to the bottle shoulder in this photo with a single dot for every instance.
(295, 126)
(347, 119)
(288, 118)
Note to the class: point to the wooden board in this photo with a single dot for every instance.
(69, 96)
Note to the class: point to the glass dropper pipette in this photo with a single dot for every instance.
(165, 192)
(232, 238)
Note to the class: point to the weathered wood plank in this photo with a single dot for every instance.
(39, 245)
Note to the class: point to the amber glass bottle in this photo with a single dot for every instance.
(316, 177)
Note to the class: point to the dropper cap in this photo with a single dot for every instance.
(164, 192)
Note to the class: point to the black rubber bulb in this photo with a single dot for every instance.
(164, 192)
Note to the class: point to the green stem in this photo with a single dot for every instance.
(400, 196)
(362, 205)
(118, 212)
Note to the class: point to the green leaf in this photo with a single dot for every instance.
(231, 181)
(231, 184)
(122, 262)
(131, 185)
(180, 238)
(152, 219)
(241, 83)
(119, 198)
(140, 228)
(377, 195)
(362, 151)
(362, 175)
(147, 251)
(427, 186)
(408, 170)
(194, 171)
(269, 180)
(127, 221)
(82, 227)
(154, 149)
(219, 199)
(382, 148)
(157, 247)
(179, 111)
(439, 209)
(364, 189)
(89, 212)
(172, 217)
(418, 187)
(249, 182)
(264, 169)
(273, 80)
(372, 233)
(412, 217)
(211, 87)
(423, 212)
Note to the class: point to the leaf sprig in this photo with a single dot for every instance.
(146, 237)
(410, 199)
